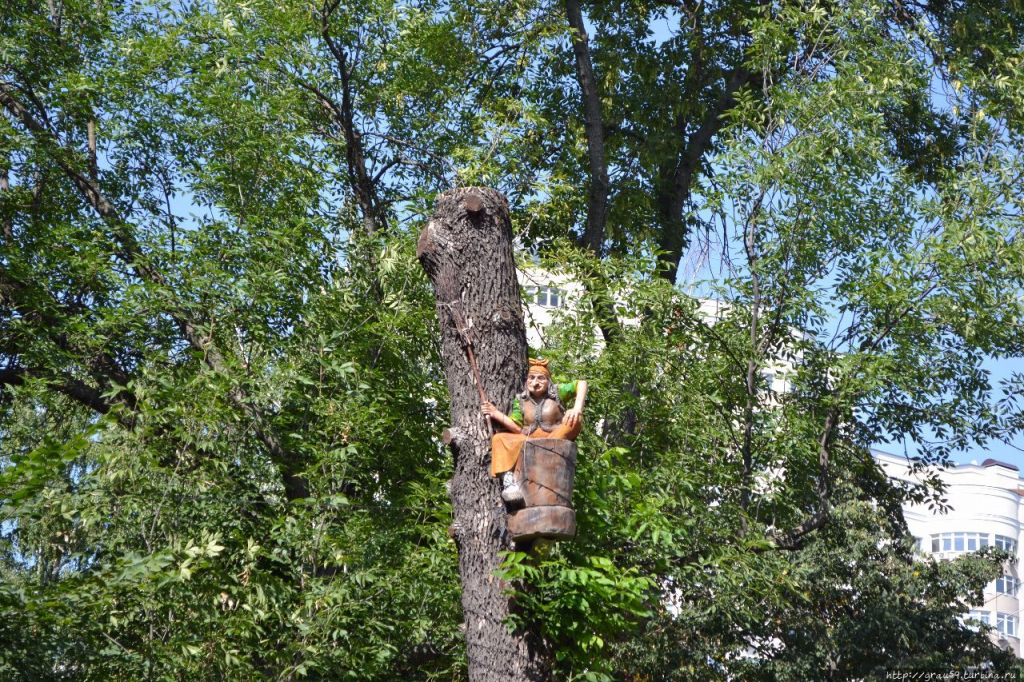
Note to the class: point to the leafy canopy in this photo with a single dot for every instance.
(222, 393)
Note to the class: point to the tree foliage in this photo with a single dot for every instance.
(222, 393)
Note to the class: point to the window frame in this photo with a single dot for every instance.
(959, 541)
(979, 615)
(1006, 624)
(547, 296)
(1007, 585)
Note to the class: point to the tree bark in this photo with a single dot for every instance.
(466, 250)
(363, 186)
(597, 170)
(6, 214)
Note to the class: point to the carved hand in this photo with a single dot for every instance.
(499, 417)
(573, 416)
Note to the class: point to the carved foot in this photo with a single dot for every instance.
(512, 495)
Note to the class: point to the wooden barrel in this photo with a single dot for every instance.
(545, 471)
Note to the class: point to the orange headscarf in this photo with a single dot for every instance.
(539, 367)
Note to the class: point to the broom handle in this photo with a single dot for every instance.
(479, 386)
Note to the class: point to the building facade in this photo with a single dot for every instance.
(985, 510)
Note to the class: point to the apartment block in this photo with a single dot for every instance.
(985, 510)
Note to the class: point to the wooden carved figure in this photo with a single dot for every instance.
(538, 412)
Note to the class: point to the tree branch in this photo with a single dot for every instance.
(103, 368)
(76, 389)
(129, 249)
(90, 130)
(753, 362)
(597, 169)
(597, 206)
(7, 215)
(792, 539)
(130, 252)
(362, 184)
(673, 237)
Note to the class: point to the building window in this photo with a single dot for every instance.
(959, 542)
(548, 297)
(1006, 624)
(1009, 544)
(1007, 585)
(975, 617)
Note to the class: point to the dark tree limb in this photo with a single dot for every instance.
(793, 538)
(102, 367)
(129, 249)
(362, 184)
(597, 206)
(754, 361)
(597, 169)
(76, 389)
(94, 169)
(673, 199)
(6, 214)
(466, 251)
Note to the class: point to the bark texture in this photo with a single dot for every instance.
(466, 250)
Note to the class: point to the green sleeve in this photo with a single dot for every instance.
(567, 392)
(517, 412)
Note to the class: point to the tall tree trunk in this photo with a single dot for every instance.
(466, 250)
(597, 169)
(597, 204)
(6, 212)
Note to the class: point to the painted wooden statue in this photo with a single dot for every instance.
(538, 412)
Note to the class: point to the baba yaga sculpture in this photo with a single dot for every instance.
(536, 457)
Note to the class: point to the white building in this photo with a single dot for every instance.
(543, 294)
(985, 510)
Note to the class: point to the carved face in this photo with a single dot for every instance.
(537, 384)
